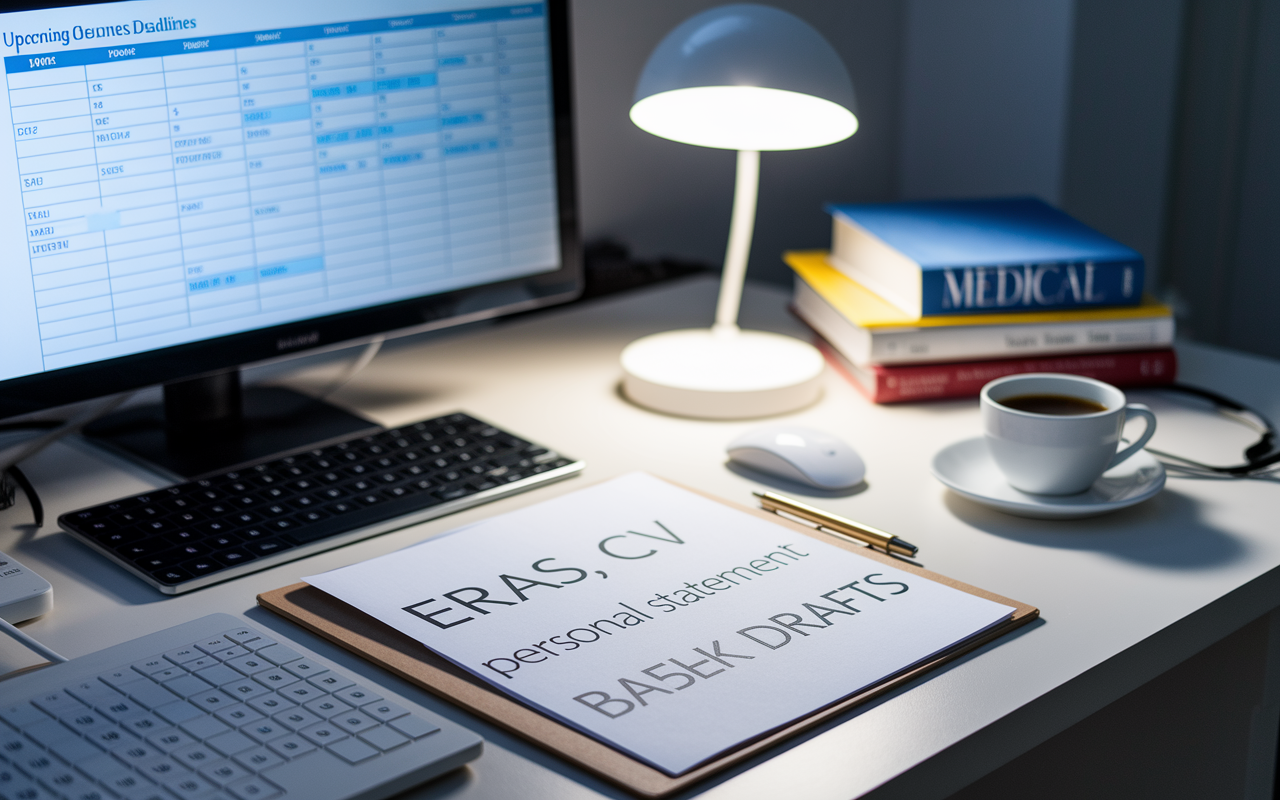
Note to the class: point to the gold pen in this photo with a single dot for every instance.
(845, 527)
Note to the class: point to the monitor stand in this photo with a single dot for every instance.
(209, 425)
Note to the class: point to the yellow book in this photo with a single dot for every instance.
(868, 310)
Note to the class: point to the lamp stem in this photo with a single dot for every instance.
(741, 228)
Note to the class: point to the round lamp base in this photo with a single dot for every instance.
(721, 374)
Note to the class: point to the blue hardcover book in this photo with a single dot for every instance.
(964, 256)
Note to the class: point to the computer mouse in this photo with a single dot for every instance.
(803, 455)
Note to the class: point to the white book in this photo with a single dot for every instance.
(911, 344)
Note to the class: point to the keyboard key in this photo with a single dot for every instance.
(290, 746)
(75, 750)
(187, 686)
(170, 739)
(327, 706)
(214, 644)
(108, 737)
(249, 638)
(172, 672)
(245, 689)
(188, 787)
(81, 721)
(224, 772)
(195, 756)
(147, 694)
(265, 731)
(413, 727)
(330, 681)
(135, 752)
(228, 653)
(323, 734)
(258, 759)
(50, 734)
(267, 547)
(14, 784)
(301, 692)
(70, 784)
(231, 742)
(304, 668)
(161, 769)
(183, 654)
(354, 722)
(275, 678)
(383, 711)
(270, 704)
(14, 745)
(384, 738)
(122, 709)
(204, 727)
(218, 674)
(94, 693)
(250, 665)
(238, 715)
(55, 703)
(120, 678)
(297, 718)
(253, 789)
(357, 695)
(212, 700)
(21, 715)
(353, 751)
(279, 655)
(201, 662)
(179, 712)
(144, 725)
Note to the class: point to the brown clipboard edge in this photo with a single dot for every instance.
(378, 642)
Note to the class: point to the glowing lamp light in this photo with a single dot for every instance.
(749, 78)
(744, 118)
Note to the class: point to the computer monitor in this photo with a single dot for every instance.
(187, 187)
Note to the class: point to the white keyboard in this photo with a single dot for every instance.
(214, 709)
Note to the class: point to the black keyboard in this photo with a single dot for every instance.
(262, 514)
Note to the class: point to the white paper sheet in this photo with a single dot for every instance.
(668, 625)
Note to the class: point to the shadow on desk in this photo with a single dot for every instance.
(1141, 534)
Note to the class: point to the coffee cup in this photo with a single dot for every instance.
(1056, 434)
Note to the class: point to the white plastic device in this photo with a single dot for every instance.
(24, 595)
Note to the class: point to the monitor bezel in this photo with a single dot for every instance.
(42, 391)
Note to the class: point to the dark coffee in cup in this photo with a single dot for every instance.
(1055, 405)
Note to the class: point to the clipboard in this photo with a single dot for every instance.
(344, 625)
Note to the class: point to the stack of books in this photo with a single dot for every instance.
(931, 300)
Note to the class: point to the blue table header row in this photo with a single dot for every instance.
(231, 41)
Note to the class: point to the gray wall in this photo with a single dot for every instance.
(985, 98)
(1155, 121)
(1224, 222)
(1122, 110)
(664, 198)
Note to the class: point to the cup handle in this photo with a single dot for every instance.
(1146, 413)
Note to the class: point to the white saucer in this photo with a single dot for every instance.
(967, 469)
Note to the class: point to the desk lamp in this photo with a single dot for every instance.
(739, 77)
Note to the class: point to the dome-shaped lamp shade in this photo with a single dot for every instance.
(746, 77)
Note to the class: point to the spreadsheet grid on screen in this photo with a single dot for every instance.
(178, 187)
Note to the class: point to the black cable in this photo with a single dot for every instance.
(1256, 455)
(37, 508)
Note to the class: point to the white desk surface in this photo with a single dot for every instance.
(1123, 597)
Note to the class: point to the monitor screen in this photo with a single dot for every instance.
(187, 186)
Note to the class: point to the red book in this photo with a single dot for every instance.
(901, 383)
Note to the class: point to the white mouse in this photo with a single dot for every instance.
(803, 455)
